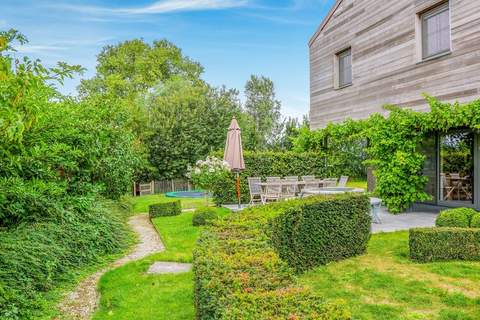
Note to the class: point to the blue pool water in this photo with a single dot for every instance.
(186, 194)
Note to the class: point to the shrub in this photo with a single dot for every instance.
(37, 257)
(204, 216)
(438, 244)
(165, 209)
(475, 223)
(263, 164)
(317, 232)
(240, 275)
(458, 217)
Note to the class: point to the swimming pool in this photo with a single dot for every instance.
(186, 194)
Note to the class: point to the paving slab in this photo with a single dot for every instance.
(403, 221)
(169, 267)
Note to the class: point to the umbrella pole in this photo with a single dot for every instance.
(238, 189)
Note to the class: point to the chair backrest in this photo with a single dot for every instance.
(343, 182)
(291, 178)
(330, 182)
(254, 185)
(308, 178)
(291, 188)
(273, 188)
(272, 179)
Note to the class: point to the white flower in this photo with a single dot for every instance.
(197, 171)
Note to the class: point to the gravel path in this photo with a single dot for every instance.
(81, 303)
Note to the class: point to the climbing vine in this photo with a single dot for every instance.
(394, 141)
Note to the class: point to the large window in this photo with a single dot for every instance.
(344, 68)
(435, 31)
(456, 166)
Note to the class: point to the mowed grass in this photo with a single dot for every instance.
(385, 284)
(357, 184)
(129, 293)
(140, 204)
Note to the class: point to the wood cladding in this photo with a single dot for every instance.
(383, 36)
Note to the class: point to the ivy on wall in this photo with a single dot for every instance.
(393, 145)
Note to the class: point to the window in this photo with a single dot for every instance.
(435, 25)
(344, 59)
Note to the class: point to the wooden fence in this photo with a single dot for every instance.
(162, 186)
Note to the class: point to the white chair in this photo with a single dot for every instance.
(342, 183)
(273, 190)
(290, 191)
(330, 182)
(255, 190)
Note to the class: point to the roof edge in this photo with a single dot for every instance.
(324, 22)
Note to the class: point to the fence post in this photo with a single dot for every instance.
(173, 186)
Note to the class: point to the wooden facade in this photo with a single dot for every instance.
(387, 65)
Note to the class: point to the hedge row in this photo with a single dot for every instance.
(319, 232)
(263, 164)
(37, 257)
(165, 209)
(239, 273)
(440, 244)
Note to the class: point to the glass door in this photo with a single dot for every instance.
(456, 168)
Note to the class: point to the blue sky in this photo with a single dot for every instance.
(230, 38)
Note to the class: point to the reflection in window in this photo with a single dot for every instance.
(456, 166)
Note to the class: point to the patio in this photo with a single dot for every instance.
(403, 221)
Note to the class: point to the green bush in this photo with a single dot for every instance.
(439, 244)
(475, 223)
(204, 216)
(166, 209)
(458, 217)
(38, 257)
(263, 164)
(239, 274)
(317, 232)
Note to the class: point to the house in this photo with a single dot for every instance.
(368, 53)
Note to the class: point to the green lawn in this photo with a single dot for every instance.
(140, 204)
(128, 293)
(385, 284)
(357, 184)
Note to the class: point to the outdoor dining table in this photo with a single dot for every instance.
(285, 183)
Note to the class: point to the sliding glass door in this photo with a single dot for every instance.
(456, 164)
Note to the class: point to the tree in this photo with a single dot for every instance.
(131, 68)
(264, 111)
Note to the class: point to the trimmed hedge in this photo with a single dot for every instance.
(165, 209)
(263, 164)
(458, 217)
(475, 223)
(316, 233)
(239, 274)
(204, 216)
(440, 244)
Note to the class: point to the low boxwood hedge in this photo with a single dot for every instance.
(204, 216)
(239, 273)
(166, 209)
(318, 232)
(439, 244)
(475, 223)
(458, 217)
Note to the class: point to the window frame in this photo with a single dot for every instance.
(423, 37)
(337, 65)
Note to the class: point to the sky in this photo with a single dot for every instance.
(232, 39)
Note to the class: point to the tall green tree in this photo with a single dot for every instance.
(264, 110)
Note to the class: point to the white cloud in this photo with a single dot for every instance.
(39, 49)
(159, 7)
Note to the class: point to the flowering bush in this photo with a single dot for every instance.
(206, 173)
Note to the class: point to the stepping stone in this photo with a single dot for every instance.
(169, 267)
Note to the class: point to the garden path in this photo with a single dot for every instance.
(82, 302)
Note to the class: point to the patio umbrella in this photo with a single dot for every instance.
(234, 153)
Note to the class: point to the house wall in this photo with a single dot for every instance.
(385, 59)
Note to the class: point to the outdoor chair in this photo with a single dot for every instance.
(273, 191)
(342, 183)
(330, 182)
(272, 179)
(290, 191)
(308, 178)
(255, 190)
